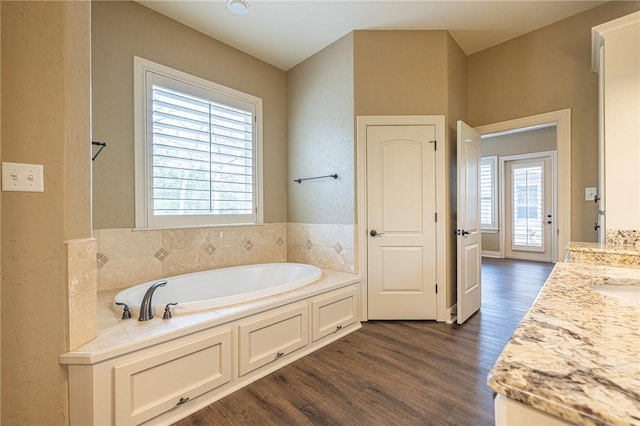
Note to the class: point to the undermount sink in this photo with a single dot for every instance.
(626, 293)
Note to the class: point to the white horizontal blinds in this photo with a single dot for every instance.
(528, 187)
(487, 192)
(202, 153)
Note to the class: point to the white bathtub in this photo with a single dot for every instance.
(220, 287)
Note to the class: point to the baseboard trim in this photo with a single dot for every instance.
(452, 314)
(488, 253)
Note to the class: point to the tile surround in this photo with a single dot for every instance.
(82, 290)
(126, 257)
(324, 245)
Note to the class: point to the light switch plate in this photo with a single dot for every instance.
(590, 194)
(22, 177)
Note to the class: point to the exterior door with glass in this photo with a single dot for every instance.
(529, 209)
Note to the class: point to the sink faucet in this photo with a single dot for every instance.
(146, 310)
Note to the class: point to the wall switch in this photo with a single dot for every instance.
(22, 177)
(590, 194)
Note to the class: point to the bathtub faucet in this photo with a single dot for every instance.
(146, 310)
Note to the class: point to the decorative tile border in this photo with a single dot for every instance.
(324, 245)
(127, 257)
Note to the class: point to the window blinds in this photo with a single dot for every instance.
(202, 156)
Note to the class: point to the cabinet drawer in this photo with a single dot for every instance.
(149, 386)
(272, 336)
(333, 311)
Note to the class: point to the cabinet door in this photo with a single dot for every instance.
(333, 311)
(170, 376)
(270, 337)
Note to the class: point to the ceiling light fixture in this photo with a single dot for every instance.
(238, 7)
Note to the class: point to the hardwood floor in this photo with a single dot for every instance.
(394, 372)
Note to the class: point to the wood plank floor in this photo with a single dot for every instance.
(394, 372)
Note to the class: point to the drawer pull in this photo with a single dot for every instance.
(279, 355)
(338, 328)
(182, 401)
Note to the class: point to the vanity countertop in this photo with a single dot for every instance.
(576, 354)
(607, 248)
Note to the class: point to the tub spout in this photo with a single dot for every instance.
(146, 310)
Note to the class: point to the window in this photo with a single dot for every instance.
(528, 198)
(488, 193)
(197, 151)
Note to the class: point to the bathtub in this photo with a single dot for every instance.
(217, 288)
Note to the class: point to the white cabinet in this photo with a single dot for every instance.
(163, 382)
(616, 57)
(155, 383)
(333, 311)
(512, 413)
(268, 338)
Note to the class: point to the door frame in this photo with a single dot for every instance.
(562, 120)
(554, 195)
(441, 198)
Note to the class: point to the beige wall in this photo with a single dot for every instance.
(416, 73)
(0, 213)
(456, 110)
(45, 79)
(538, 140)
(121, 30)
(321, 136)
(400, 72)
(547, 70)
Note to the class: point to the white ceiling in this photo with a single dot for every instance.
(286, 32)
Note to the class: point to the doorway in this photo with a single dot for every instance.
(529, 206)
(561, 121)
(399, 157)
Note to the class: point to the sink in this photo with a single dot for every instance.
(626, 293)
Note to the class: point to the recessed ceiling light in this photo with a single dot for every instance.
(238, 7)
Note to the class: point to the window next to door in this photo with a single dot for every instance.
(489, 193)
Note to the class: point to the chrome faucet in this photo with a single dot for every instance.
(146, 310)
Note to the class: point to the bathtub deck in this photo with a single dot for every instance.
(117, 337)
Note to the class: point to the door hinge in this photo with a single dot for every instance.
(435, 145)
(436, 288)
(436, 215)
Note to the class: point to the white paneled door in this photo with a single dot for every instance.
(401, 233)
(469, 234)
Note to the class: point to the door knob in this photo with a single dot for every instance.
(375, 233)
(596, 226)
(463, 232)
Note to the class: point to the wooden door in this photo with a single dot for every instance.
(401, 223)
(469, 233)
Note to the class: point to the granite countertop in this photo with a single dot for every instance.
(576, 354)
(607, 248)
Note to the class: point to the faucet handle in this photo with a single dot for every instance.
(167, 311)
(126, 313)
